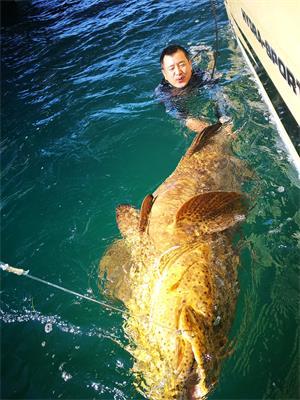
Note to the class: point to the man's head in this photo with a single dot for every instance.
(176, 65)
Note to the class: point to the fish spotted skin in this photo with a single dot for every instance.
(180, 281)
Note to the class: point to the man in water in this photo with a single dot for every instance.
(180, 80)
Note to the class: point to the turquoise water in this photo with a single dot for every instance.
(82, 133)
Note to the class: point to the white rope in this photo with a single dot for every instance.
(22, 272)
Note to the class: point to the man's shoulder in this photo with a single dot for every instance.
(198, 77)
(163, 88)
(203, 77)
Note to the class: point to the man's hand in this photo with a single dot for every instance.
(196, 125)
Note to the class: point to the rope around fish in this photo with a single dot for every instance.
(216, 45)
(214, 12)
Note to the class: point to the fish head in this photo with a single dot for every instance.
(174, 351)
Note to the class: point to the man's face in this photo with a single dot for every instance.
(177, 69)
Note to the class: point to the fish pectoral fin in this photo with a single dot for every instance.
(127, 219)
(114, 270)
(145, 212)
(211, 212)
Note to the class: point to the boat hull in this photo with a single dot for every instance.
(268, 34)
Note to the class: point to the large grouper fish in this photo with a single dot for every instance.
(175, 269)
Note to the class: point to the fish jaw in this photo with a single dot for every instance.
(195, 393)
(195, 335)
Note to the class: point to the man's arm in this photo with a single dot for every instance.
(179, 111)
(195, 124)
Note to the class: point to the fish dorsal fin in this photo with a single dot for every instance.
(202, 138)
(211, 212)
(127, 219)
(145, 211)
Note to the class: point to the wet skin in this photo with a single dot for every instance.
(177, 69)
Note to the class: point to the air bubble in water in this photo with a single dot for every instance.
(66, 376)
(95, 386)
(48, 327)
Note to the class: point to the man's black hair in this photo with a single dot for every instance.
(171, 49)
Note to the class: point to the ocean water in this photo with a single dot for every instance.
(82, 133)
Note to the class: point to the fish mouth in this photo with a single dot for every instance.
(201, 380)
(195, 393)
(193, 386)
